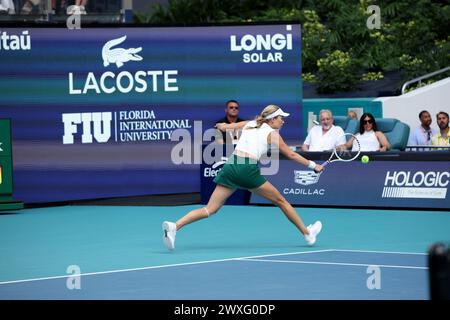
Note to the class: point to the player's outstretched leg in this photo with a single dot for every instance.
(268, 191)
(216, 201)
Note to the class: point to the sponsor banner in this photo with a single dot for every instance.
(95, 112)
(409, 184)
(405, 192)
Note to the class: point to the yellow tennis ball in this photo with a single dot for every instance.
(365, 159)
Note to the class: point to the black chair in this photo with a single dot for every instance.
(347, 124)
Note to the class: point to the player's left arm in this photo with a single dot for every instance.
(385, 145)
(275, 139)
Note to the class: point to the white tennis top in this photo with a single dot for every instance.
(254, 141)
(318, 141)
(368, 141)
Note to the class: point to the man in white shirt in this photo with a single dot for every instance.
(7, 7)
(326, 136)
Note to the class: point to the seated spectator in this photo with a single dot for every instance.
(422, 135)
(29, 5)
(326, 136)
(59, 6)
(352, 115)
(370, 139)
(7, 7)
(78, 8)
(442, 138)
(56, 5)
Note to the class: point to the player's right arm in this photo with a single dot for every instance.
(231, 126)
(275, 139)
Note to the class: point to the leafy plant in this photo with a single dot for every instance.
(413, 37)
(372, 76)
(337, 72)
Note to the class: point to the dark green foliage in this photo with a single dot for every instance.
(413, 36)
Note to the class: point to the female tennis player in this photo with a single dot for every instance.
(241, 171)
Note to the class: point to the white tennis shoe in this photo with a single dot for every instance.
(170, 231)
(314, 230)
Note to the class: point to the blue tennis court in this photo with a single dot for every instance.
(243, 252)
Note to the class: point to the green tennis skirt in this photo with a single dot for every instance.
(240, 173)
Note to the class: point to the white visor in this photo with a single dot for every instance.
(277, 113)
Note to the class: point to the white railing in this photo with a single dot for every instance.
(419, 79)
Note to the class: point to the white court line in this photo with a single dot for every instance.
(389, 252)
(285, 254)
(158, 267)
(334, 263)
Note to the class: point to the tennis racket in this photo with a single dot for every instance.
(345, 155)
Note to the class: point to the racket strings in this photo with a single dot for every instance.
(349, 155)
(340, 153)
(345, 154)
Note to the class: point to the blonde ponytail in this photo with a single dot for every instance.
(261, 118)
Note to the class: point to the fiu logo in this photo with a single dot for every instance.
(93, 125)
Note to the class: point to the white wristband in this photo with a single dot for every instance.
(312, 164)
